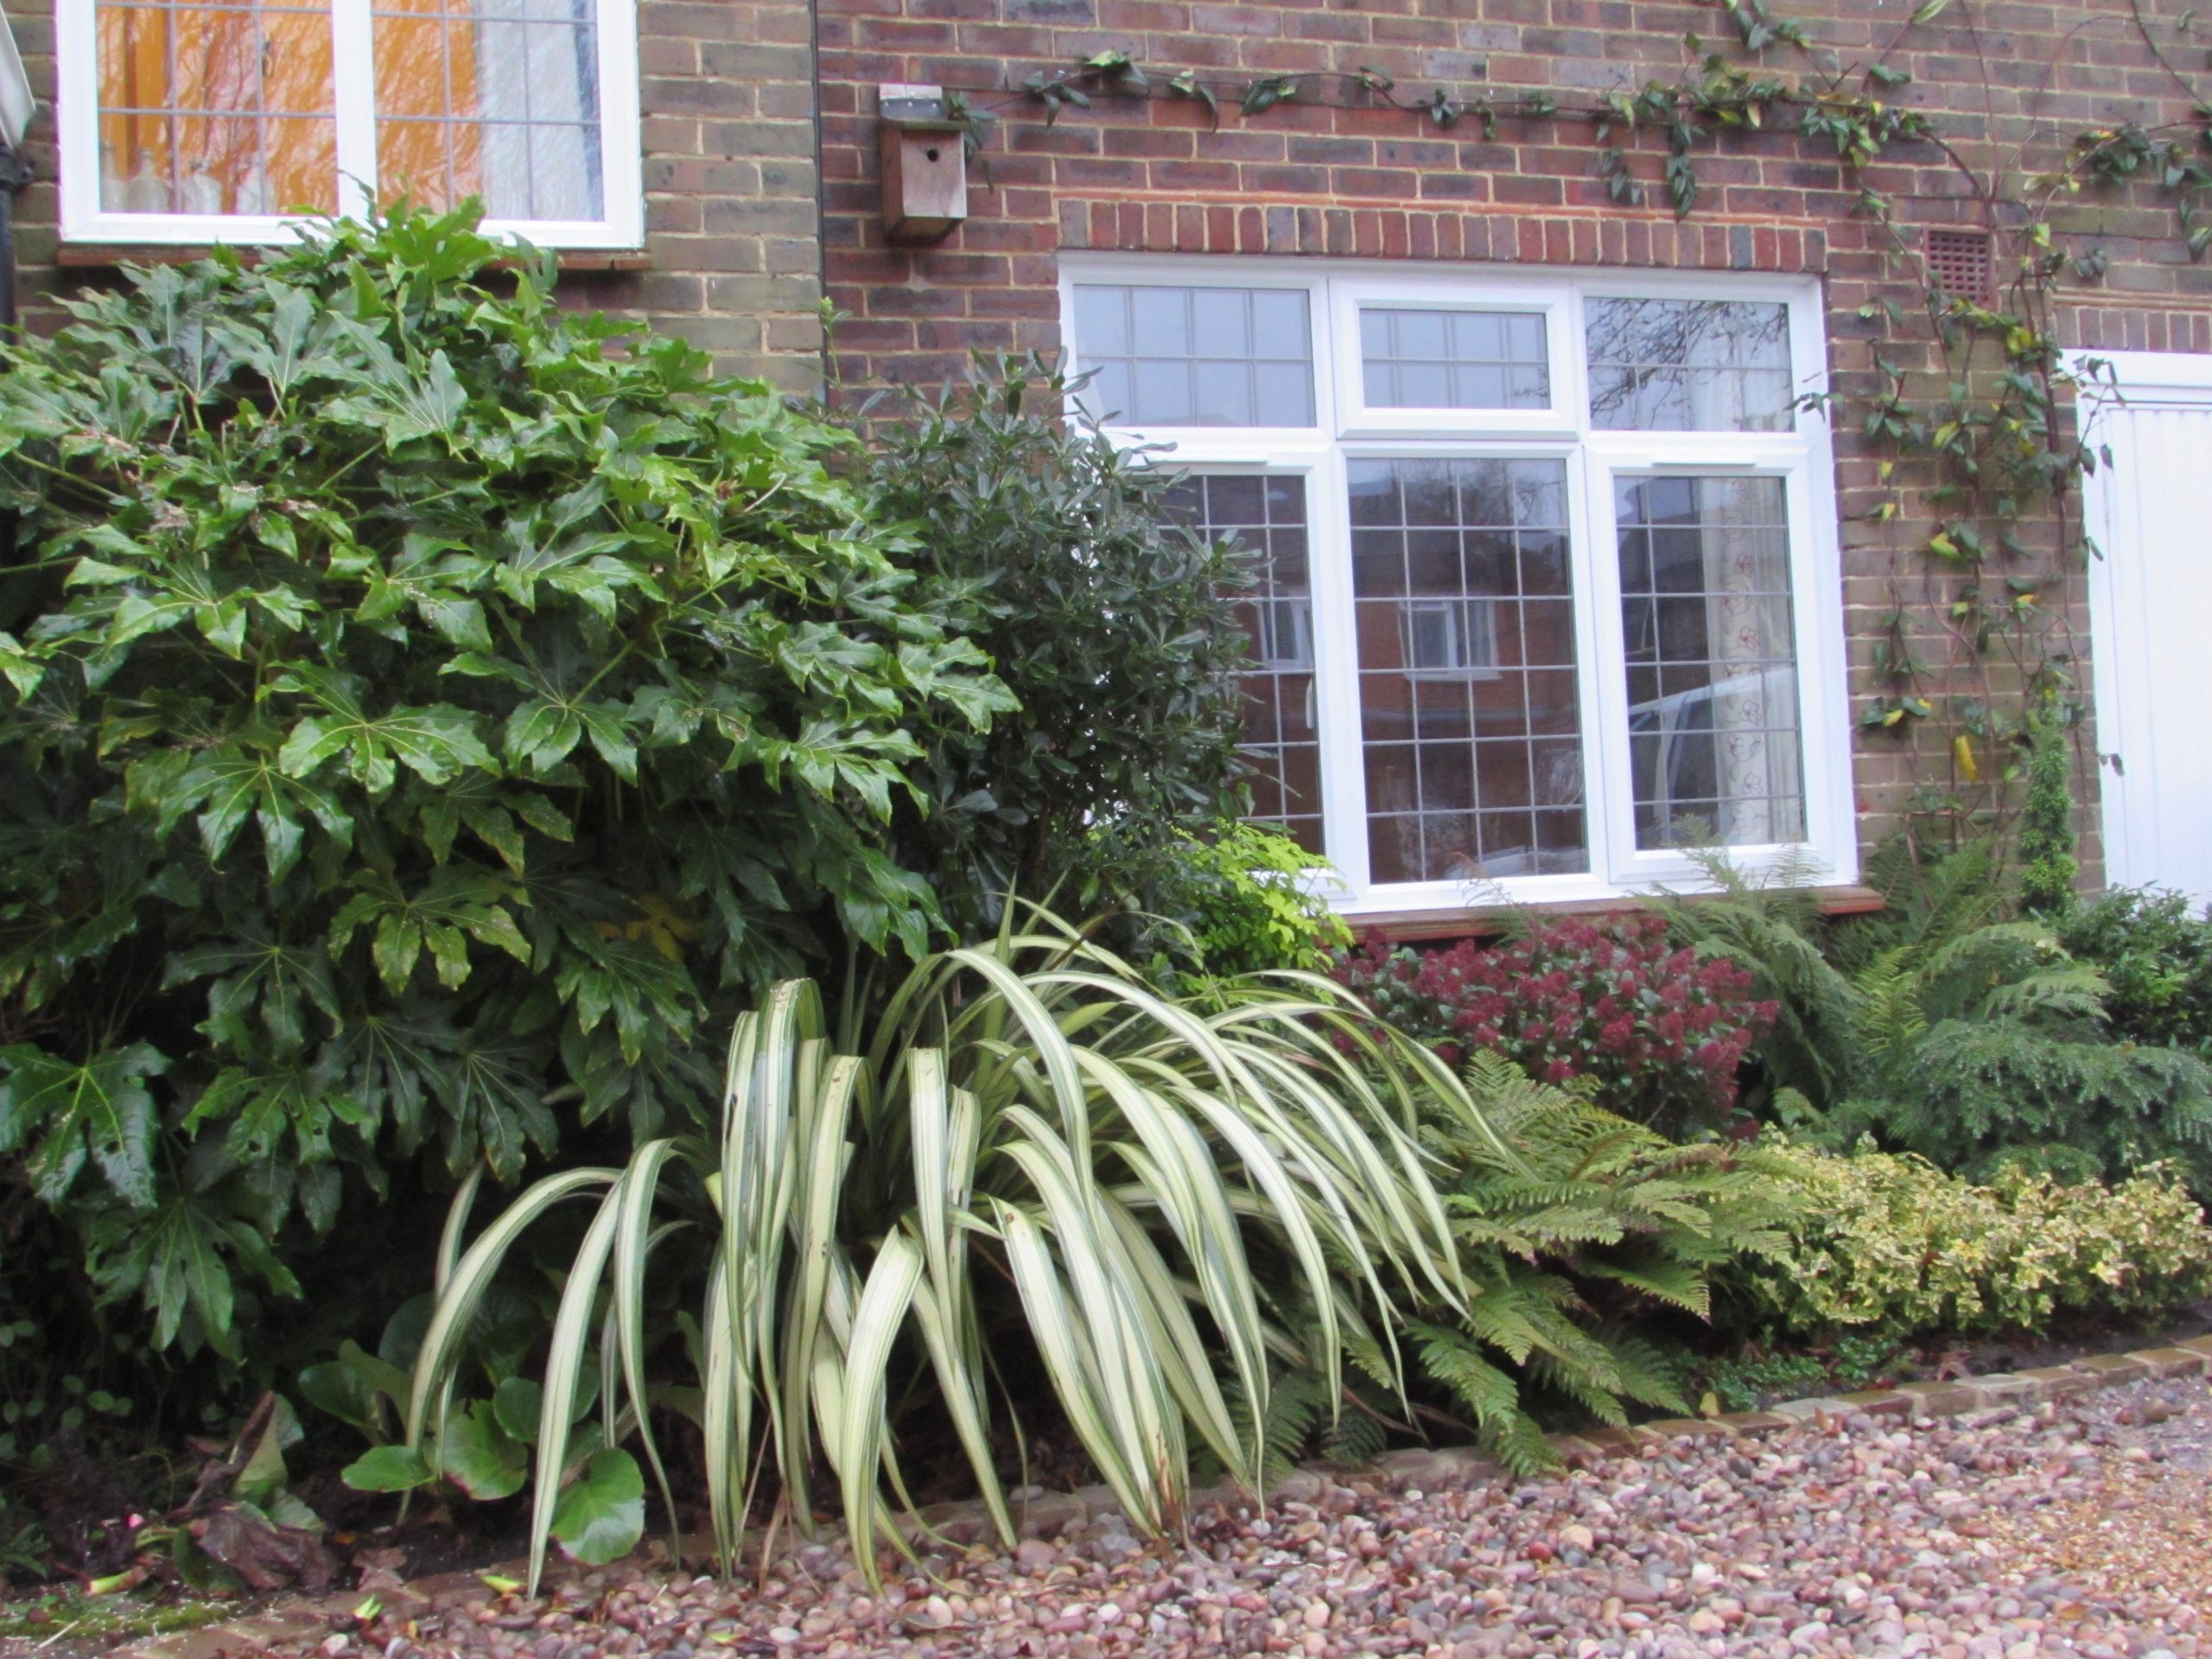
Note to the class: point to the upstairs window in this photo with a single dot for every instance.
(1548, 592)
(219, 123)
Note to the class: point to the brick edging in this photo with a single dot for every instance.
(1915, 1403)
(1051, 1512)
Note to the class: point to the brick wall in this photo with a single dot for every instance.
(2009, 81)
(731, 257)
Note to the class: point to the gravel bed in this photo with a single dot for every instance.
(2082, 1527)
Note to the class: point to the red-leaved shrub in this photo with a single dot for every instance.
(1661, 1030)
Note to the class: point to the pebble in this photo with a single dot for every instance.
(1994, 1537)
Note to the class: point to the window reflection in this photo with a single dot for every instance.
(1468, 698)
(1689, 366)
(1713, 730)
(493, 98)
(1280, 739)
(216, 109)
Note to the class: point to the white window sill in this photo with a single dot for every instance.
(1463, 921)
(79, 255)
(616, 234)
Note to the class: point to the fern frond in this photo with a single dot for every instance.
(1599, 1216)
(1769, 926)
(1518, 1445)
(1453, 1360)
(1676, 1283)
(1649, 1374)
(1503, 1320)
(2075, 992)
(1358, 1437)
(1603, 1403)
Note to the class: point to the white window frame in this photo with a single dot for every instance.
(1353, 297)
(1345, 430)
(352, 43)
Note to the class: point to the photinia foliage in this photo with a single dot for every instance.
(1053, 551)
(1661, 1030)
(421, 719)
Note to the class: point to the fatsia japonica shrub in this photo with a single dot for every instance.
(423, 717)
(1658, 1030)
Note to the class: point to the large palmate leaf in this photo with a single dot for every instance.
(231, 782)
(178, 1260)
(262, 988)
(433, 580)
(458, 904)
(436, 742)
(101, 1111)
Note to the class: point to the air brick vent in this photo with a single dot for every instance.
(1959, 261)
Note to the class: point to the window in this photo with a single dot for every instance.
(1197, 356)
(1713, 741)
(1412, 359)
(203, 123)
(1548, 591)
(1689, 366)
(1281, 740)
(1450, 636)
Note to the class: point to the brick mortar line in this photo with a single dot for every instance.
(1568, 210)
(1913, 1403)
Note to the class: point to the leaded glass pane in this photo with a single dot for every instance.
(1468, 693)
(1714, 737)
(1194, 356)
(1454, 360)
(1281, 738)
(1689, 366)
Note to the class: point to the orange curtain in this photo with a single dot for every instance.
(207, 111)
(428, 143)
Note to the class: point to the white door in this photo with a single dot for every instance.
(2151, 617)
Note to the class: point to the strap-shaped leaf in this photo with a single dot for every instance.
(1115, 1152)
(564, 1363)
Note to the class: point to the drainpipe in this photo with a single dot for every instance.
(14, 173)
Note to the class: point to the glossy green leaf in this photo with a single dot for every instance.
(387, 1469)
(602, 1514)
(515, 1404)
(477, 1453)
(101, 1112)
(336, 1388)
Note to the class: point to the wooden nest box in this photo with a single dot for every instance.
(925, 164)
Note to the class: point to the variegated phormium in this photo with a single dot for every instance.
(1029, 1128)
